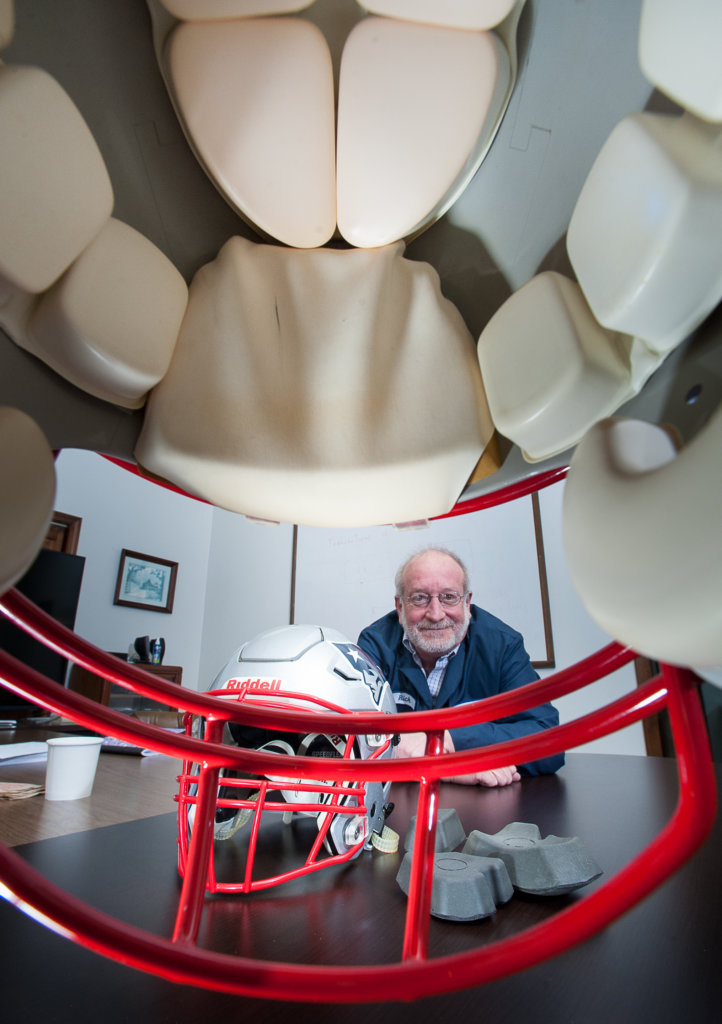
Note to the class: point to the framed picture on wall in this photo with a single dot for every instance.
(145, 581)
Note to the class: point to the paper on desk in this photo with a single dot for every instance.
(113, 745)
(22, 753)
(19, 790)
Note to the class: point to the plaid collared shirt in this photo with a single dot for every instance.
(436, 676)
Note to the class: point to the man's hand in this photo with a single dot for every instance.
(413, 744)
(493, 777)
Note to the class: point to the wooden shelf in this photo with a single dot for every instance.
(105, 692)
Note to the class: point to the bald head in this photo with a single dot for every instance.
(433, 558)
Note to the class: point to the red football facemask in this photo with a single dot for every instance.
(415, 974)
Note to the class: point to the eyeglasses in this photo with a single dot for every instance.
(447, 599)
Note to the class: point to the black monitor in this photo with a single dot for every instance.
(52, 583)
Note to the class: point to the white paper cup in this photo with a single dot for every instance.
(72, 762)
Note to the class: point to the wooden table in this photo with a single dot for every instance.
(661, 962)
(126, 788)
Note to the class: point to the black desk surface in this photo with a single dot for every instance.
(660, 963)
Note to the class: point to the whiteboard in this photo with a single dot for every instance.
(345, 577)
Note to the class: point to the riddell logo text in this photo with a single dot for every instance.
(254, 685)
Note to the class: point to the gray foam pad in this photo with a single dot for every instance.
(465, 887)
(542, 867)
(449, 831)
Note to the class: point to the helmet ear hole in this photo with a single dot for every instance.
(252, 737)
(321, 745)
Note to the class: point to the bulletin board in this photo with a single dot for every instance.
(345, 578)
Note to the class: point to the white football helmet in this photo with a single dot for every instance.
(310, 668)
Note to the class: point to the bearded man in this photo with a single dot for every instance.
(438, 650)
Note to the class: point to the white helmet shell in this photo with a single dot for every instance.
(313, 661)
(311, 668)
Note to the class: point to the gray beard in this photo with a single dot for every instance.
(429, 641)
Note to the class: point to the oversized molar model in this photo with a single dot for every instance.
(254, 91)
(350, 395)
(679, 53)
(87, 294)
(323, 387)
(645, 243)
(7, 21)
(643, 542)
(27, 471)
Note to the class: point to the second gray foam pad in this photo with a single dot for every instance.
(465, 887)
(449, 831)
(541, 867)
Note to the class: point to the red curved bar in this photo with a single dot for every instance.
(417, 976)
(414, 976)
(627, 710)
(519, 489)
(62, 640)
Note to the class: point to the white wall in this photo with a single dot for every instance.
(346, 576)
(234, 579)
(233, 575)
(248, 588)
(121, 510)
(576, 636)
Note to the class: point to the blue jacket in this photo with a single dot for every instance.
(490, 660)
